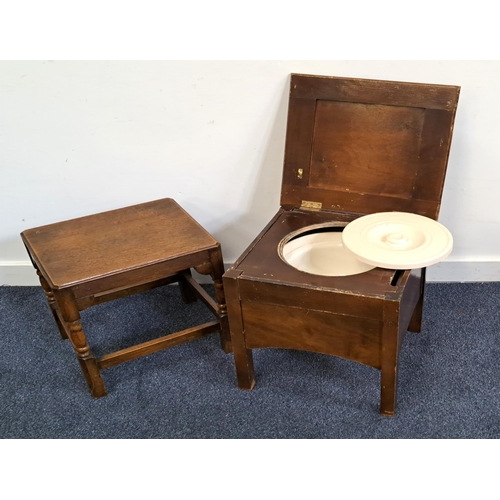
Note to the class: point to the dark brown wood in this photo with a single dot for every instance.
(415, 324)
(353, 147)
(286, 327)
(49, 294)
(198, 291)
(264, 264)
(217, 272)
(366, 149)
(143, 275)
(366, 91)
(159, 344)
(313, 299)
(124, 291)
(188, 294)
(298, 141)
(389, 352)
(360, 203)
(135, 237)
(243, 357)
(90, 260)
(70, 319)
(367, 146)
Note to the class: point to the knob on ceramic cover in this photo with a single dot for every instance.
(397, 240)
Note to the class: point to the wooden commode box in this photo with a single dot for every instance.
(353, 147)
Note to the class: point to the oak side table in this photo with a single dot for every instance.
(90, 260)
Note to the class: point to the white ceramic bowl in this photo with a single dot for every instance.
(323, 254)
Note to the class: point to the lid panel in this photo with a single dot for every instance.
(354, 202)
(367, 145)
(367, 91)
(356, 148)
(433, 155)
(300, 131)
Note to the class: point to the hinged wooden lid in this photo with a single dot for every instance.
(367, 146)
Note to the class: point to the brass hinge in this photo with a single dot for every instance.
(311, 205)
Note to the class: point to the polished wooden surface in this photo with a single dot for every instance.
(265, 263)
(368, 146)
(110, 242)
(353, 147)
(90, 260)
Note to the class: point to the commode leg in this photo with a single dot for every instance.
(389, 359)
(243, 358)
(416, 319)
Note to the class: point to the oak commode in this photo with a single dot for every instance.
(353, 147)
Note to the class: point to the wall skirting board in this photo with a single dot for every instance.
(17, 273)
(21, 273)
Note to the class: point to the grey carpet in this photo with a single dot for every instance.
(449, 380)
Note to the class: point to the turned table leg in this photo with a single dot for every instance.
(49, 294)
(216, 274)
(70, 318)
(187, 293)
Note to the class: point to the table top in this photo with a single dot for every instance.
(86, 248)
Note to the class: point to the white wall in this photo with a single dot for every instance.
(80, 137)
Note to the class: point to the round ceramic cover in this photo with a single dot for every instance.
(322, 253)
(397, 240)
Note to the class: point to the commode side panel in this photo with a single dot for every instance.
(350, 337)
